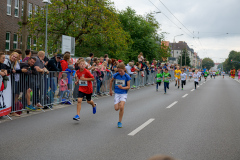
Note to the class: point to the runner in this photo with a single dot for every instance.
(190, 74)
(199, 73)
(177, 75)
(196, 78)
(122, 84)
(214, 74)
(205, 75)
(211, 73)
(84, 78)
(166, 77)
(159, 78)
(223, 73)
(183, 78)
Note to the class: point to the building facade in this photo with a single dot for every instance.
(176, 50)
(11, 14)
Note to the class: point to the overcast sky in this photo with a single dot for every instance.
(208, 21)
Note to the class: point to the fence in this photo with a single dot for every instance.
(47, 90)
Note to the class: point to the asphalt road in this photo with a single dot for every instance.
(202, 125)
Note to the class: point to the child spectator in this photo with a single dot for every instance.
(63, 87)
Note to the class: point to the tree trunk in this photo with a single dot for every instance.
(24, 28)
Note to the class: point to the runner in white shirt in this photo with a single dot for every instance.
(214, 74)
(223, 73)
(183, 78)
(196, 78)
(190, 74)
(199, 73)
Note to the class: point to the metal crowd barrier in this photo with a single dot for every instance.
(45, 88)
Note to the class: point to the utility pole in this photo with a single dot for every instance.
(24, 28)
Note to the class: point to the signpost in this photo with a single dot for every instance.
(68, 44)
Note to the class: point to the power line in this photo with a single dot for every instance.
(176, 17)
(168, 18)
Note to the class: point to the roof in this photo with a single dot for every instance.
(179, 46)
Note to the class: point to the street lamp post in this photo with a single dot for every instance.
(174, 42)
(46, 2)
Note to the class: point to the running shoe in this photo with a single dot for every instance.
(178, 87)
(156, 89)
(175, 84)
(182, 88)
(76, 118)
(31, 108)
(164, 92)
(95, 109)
(119, 125)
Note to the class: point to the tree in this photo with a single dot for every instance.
(184, 54)
(165, 52)
(143, 32)
(208, 63)
(94, 24)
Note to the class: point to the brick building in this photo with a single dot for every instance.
(11, 12)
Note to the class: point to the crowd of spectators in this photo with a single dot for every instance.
(32, 66)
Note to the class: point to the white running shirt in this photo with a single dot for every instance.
(196, 77)
(183, 76)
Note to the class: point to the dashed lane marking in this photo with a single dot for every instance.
(192, 89)
(141, 127)
(185, 96)
(172, 104)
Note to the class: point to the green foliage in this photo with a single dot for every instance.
(235, 63)
(188, 61)
(208, 63)
(94, 24)
(143, 32)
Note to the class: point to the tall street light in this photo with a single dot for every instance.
(46, 2)
(174, 42)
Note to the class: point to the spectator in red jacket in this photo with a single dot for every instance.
(64, 62)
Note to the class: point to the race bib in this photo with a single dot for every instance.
(83, 83)
(159, 79)
(177, 74)
(183, 77)
(120, 82)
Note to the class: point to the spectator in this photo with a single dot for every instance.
(28, 55)
(3, 72)
(40, 67)
(88, 64)
(54, 63)
(64, 62)
(128, 68)
(106, 58)
(140, 57)
(64, 87)
(27, 87)
(91, 55)
(101, 60)
(20, 54)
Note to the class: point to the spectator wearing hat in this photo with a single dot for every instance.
(54, 63)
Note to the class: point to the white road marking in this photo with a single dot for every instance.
(192, 89)
(141, 127)
(201, 84)
(172, 104)
(185, 96)
(198, 86)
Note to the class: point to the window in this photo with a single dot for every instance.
(30, 9)
(29, 43)
(35, 44)
(22, 7)
(16, 10)
(9, 7)
(15, 41)
(36, 9)
(7, 47)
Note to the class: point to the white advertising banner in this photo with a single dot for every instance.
(68, 44)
